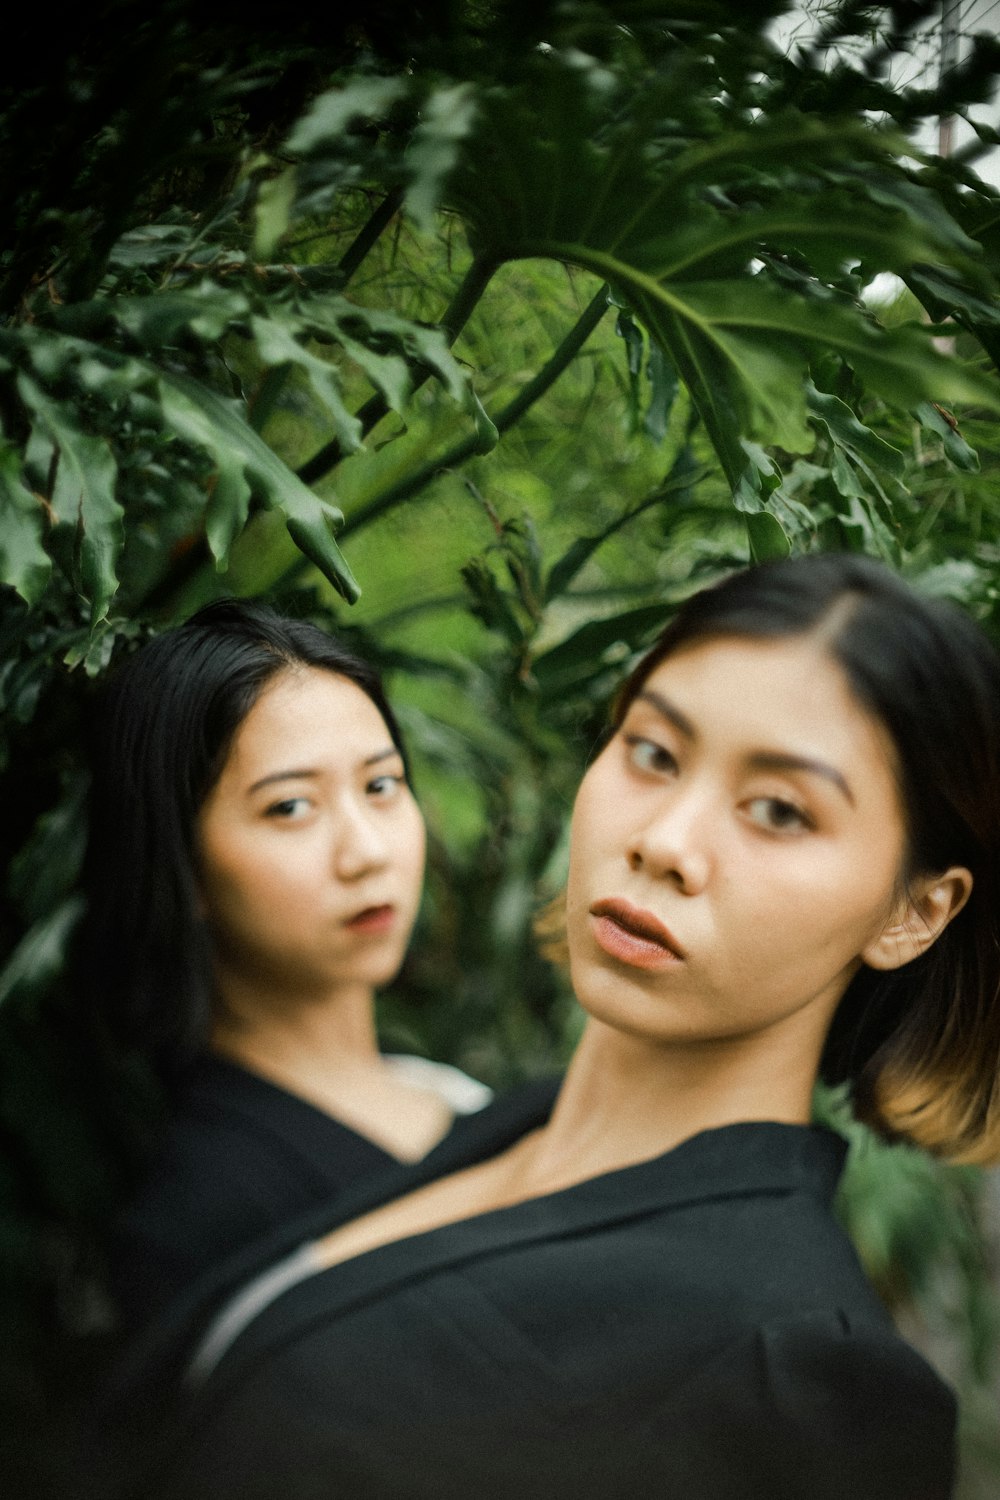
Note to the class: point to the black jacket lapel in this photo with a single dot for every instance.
(735, 1160)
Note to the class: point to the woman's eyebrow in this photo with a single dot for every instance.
(778, 760)
(293, 774)
(306, 773)
(668, 711)
(759, 760)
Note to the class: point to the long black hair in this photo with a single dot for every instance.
(160, 736)
(919, 1046)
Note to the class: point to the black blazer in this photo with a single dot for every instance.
(239, 1157)
(696, 1326)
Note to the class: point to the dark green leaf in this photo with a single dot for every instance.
(24, 563)
(767, 539)
(83, 495)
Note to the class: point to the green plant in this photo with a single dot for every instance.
(544, 315)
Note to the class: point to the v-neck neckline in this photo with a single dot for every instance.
(736, 1160)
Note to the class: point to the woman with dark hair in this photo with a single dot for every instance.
(254, 869)
(783, 864)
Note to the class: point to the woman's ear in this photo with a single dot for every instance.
(928, 906)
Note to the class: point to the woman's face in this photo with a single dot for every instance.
(735, 848)
(310, 844)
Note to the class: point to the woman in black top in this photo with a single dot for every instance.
(784, 863)
(254, 870)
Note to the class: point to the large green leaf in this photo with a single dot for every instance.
(187, 411)
(249, 466)
(278, 345)
(685, 214)
(83, 494)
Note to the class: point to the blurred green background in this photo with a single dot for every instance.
(529, 321)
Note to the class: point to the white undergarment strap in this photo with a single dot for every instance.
(240, 1311)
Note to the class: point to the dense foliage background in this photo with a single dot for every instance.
(524, 321)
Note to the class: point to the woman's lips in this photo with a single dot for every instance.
(633, 935)
(372, 920)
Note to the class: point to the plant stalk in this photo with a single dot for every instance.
(453, 320)
(369, 233)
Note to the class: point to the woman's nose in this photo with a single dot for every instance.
(360, 845)
(674, 842)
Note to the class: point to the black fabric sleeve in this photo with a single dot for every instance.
(806, 1408)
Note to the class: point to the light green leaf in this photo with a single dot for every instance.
(333, 112)
(846, 431)
(445, 122)
(487, 435)
(844, 476)
(272, 211)
(956, 449)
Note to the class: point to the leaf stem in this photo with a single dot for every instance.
(512, 412)
(369, 233)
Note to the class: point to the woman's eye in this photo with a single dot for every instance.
(289, 809)
(777, 816)
(384, 787)
(647, 755)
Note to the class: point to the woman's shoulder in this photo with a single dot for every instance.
(238, 1157)
(226, 1120)
(818, 1404)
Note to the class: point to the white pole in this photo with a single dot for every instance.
(951, 20)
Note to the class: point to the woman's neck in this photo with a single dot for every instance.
(626, 1099)
(325, 1050)
(281, 1036)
